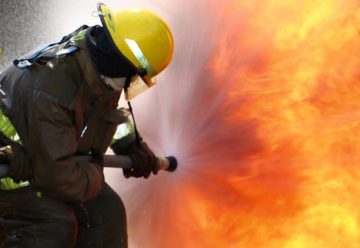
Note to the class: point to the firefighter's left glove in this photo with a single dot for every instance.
(19, 161)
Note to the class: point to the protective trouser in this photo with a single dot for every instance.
(31, 219)
(102, 221)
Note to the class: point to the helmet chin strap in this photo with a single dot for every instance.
(118, 84)
(137, 136)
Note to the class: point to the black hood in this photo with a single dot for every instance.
(107, 60)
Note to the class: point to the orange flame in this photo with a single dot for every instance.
(297, 78)
(276, 164)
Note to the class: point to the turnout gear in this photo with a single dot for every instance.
(142, 38)
(30, 219)
(61, 109)
(58, 111)
(12, 153)
(102, 221)
(19, 170)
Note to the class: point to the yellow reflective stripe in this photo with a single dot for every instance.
(136, 50)
(9, 184)
(123, 130)
(9, 131)
(79, 36)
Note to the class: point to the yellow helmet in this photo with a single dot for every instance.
(142, 37)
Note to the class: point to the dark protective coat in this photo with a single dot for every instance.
(60, 110)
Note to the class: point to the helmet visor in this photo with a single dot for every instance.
(137, 86)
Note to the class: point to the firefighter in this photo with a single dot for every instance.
(60, 102)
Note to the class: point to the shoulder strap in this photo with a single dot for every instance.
(37, 56)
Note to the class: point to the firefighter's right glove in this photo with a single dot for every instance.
(143, 160)
(15, 155)
(97, 158)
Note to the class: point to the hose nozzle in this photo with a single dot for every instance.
(167, 163)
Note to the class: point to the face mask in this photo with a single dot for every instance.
(116, 83)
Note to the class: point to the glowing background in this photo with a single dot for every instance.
(261, 107)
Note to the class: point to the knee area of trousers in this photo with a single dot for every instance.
(118, 207)
(67, 231)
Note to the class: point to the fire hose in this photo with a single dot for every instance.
(114, 161)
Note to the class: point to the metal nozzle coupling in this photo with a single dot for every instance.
(167, 163)
(172, 163)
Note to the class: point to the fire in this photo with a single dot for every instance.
(297, 80)
(269, 151)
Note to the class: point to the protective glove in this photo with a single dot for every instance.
(97, 157)
(15, 155)
(119, 145)
(4, 154)
(143, 160)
